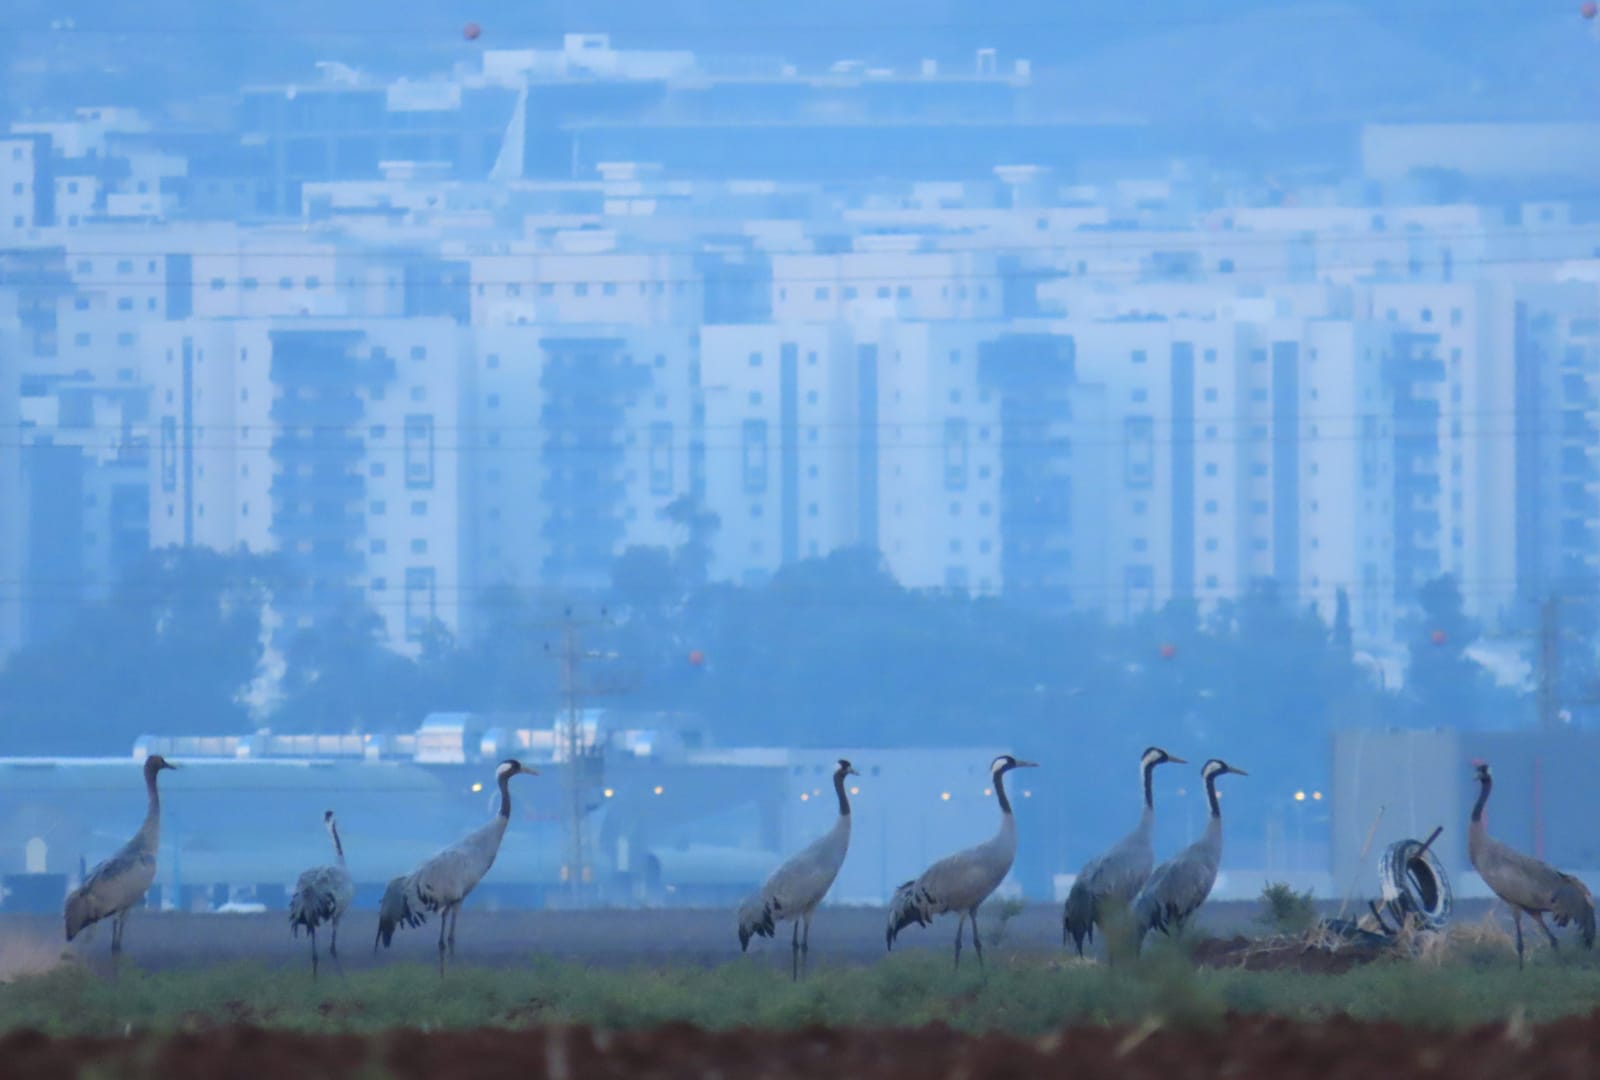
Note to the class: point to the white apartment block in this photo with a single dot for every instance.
(581, 280)
(787, 433)
(883, 281)
(336, 442)
(23, 167)
(12, 521)
(939, 453)
(580, 437)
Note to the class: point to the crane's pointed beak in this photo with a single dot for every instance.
(852, 771)
(1027, 765)
(1177, 760)
(1240, 772)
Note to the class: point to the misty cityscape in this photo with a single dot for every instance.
(683, 400)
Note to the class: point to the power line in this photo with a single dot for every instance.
(489, 595)
(1075, 421)
(1064, 445)
(1103, 237)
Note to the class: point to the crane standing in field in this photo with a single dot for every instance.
(116, 885)
(1178, 887)
(322, 895)
(963, 881)
(794, 889)
(441, 883)
(1527, 885)
(1109, 882)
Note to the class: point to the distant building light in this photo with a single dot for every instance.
(805, 795)
(1299, 796)
(477, 788)
(658, 789)
(1317, 795)
(988, 791)
(855, 791)
(609, 793)
(945, 795)
(1027, 794)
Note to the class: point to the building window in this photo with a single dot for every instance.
(420, 609)
(755, 456)
(418, 452)
(955, 455)
(1138, 451)
(419, 547)
(660, 461)
(419, 507)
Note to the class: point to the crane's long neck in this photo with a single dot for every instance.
(505, 796)
(1211, 797)
(1483, 799)
(338, 847)
(1000, 792)
(844, 799)
(1148, 768)
(150, 831)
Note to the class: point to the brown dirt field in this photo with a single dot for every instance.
(1244, 1048)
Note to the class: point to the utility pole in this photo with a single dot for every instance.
(1550, 664)
(583, 755)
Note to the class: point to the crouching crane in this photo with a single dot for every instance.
(321, 896)
(1527, 885)
(1180, 885)
(116, 885)
(441, 883)
(794, 889)
(963, 881)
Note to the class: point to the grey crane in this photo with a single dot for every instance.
(963, 881)
(1110, 881)
(1177, 888)
(794, 890)
(323, 895)
(442, 882)
(1527, 885)
(116, 885)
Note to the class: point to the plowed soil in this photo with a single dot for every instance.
(1243, 1048)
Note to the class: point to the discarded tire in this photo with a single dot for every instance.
(1415, 884)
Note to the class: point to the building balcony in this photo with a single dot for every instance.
(323, 445)
(318, 487)
(323, 412)
(329, 524)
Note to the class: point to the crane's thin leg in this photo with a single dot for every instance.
(313, 936)
(977, 942)
(1538, 917)
(794, 952)
(1516, 917)
(455, 916)
(444, 921)
(805, 944)
(961, 925)
(118, 921)
(333, 948)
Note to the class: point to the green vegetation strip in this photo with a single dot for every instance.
(1021, 995)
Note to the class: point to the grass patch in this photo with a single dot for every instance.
(1022, 994)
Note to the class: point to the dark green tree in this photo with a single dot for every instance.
(172, 650)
